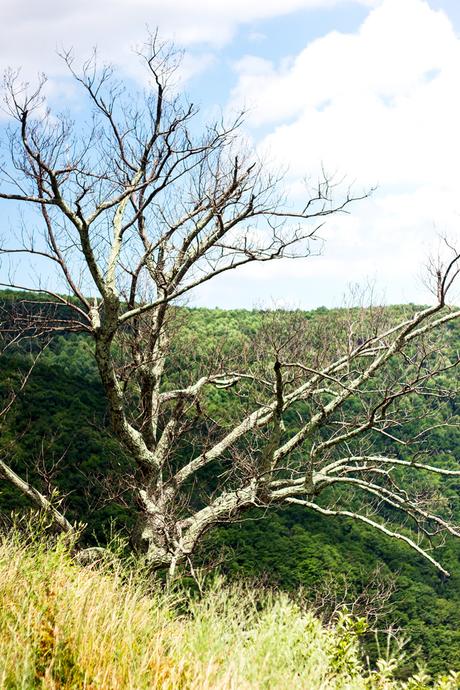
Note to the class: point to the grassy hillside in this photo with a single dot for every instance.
(108, 628)
(57, 435)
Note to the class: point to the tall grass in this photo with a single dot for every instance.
(65, 626)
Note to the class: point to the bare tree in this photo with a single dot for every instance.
(138, 210)
(334, 594)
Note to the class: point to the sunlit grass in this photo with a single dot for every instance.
(65, 626)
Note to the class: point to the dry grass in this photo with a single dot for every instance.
(64, 626)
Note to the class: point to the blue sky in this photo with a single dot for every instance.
(274, 39)
(369, 88)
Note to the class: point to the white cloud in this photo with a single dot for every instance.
(382, 106)
(30, 32)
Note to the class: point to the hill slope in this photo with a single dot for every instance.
(60, 421)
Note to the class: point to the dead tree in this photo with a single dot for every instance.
(138, 209)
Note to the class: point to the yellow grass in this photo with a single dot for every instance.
(64, 626)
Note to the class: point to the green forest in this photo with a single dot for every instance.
(57, 435)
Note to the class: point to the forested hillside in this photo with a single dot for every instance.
(57, 435)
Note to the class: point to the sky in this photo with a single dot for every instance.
(366, 89)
